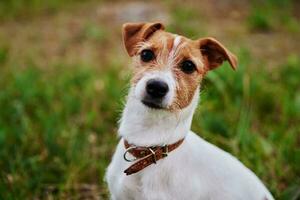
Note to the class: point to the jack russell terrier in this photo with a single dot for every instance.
(159, 157)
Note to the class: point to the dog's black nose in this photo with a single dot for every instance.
(156, 88)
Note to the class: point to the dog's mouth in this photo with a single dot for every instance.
(152, 104)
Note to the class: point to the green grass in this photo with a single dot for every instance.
(272, 14)
(25, 9)
(58, 121)
(57, 127)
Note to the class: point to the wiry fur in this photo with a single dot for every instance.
(196, 170)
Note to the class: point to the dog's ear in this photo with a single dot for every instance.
(214, 53)
(133, 33)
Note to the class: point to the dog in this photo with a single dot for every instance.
(158, 157)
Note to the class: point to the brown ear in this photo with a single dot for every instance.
(214, 53)
(133, 33)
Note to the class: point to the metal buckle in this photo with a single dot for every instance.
(134, 159)
(127, 151)
(153, 154)
(165, 150)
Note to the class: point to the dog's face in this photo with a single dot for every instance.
(168, 68)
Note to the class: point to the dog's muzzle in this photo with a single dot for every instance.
(156, 90)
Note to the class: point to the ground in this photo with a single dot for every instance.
(64, 76)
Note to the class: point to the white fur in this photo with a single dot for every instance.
(176, 43)
(174, 51)
(197, 170)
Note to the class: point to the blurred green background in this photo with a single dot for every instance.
(64, 77)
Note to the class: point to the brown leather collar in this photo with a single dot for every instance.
(146, 155)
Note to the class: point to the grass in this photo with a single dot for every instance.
(272, 14)
(55, 128)
(25, 9)
(58, 120)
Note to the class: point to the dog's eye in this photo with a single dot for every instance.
(147, 55)
(188, 67)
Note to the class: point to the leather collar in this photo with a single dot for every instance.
(145, 156)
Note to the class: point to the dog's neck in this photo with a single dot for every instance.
(143, 126)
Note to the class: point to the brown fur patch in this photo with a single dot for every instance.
(162, 43)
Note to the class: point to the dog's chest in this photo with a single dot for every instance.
(152, 182)
(164, 180)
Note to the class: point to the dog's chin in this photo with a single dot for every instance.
(153, 104)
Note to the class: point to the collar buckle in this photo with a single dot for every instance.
(152, 154)
(128, 151)
(165, 149)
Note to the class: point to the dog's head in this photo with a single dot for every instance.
(168, 68)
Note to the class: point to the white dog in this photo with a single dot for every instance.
(159, 157)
